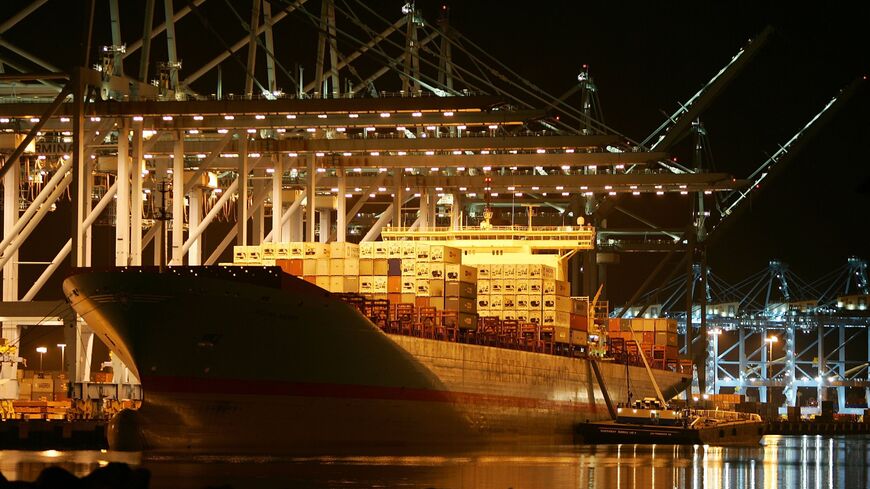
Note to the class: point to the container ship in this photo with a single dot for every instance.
(402, 344)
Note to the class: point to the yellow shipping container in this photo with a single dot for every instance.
(522, 285)
(496, 271)
(461, 273)
(409, 266)
(436, 271)
(322, 281)
(380, 250)
(483, 287)
(409, 285)
(366, 266)
(367, 249)
(508, 301)
(297, 250)
(508, 271)
(522, 301)
(394, 249)
(409, 250)
(282, 251)
(422, 250)
(316, 250)
(367, 284)
(522, 271)
(444, 254)
(343, 249)
(380, 267)
(322, 266)
(483, 271)
(268, 251)
(380, 284)
(423, 270)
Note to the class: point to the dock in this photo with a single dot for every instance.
(41, 434)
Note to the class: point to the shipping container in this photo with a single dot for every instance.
(522, 301)
(436, 287)
(380, 284)
(444, 254)
(394, 285)
(316, 250)
(522, 285)
(321, 266)
(461, 273)
(380, 266)
(508, 286)
(409, 298)
(394, 249)
(422, 250)
(522, 271)
(422, 287)
(409, 266)
(366, 284)
(297, 249)
(282, 251)
(380, 250)
(366, 266)
(508, 301)
(268, 251)
(436, 271)
(483, 287)
(291, 266)
(436, 302)
(465, 290)
(460, 304)
(495, 271)
(343, 249)
(409, 285)
(483, 271)
(508, 272)
(483, 303)
(467, 321)
(322, 281)
(423, 270)
(579, 323)
(394, 267)
(409, 250)
(367, 250)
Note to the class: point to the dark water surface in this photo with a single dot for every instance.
(780, 462)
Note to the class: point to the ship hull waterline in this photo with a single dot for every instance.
(265, 362)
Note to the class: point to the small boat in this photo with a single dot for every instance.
(650, 420)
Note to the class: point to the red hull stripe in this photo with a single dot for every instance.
(242, 387)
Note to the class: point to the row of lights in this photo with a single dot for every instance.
(229, 117)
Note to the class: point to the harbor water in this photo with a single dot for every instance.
(780, 462)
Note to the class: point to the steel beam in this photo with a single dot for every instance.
(375, 231)
(156, 31)
(145, 58)
(170, 45)
(238, 45)
(178, 194)
(136, 196)
(311, 197)
(277, 198)
(341, 208)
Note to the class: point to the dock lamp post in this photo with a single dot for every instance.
(62, 347)
(771, 340)
(41, 350)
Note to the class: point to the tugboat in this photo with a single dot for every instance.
(650, 420)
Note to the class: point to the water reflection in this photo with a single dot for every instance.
(781, 462)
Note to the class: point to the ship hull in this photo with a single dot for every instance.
(265, 362)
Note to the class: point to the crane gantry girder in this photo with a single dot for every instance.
(253, 106)
(302, 145)
(548, 183)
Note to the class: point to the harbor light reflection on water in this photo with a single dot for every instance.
(808, 462)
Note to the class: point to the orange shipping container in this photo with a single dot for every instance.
(292, 266)
(581, 323)
(613, 325)
(394, 284)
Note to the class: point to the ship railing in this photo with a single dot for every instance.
(583, 234)
(720, 415)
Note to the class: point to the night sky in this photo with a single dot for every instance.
(645, 59)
